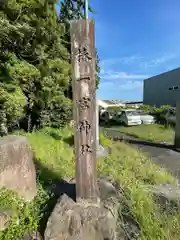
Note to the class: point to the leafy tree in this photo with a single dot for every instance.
(72, 10)
(97, 70)
(154, 109)
(12, 102)
(36, 59)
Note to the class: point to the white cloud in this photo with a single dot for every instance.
(110, 67)
(106, 63)
(158, 61)
(131, 85)
(122, 75)
(126, 85)
(106, 85)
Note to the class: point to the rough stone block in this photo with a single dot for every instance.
(32, 236)
(17, 170)
(167, 196)
(101, 151)
(78, 221)
(5, 216)
(71, 220)
(113, 203)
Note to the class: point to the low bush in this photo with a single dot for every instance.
(58, 113)
(12, 102)
(25, 217)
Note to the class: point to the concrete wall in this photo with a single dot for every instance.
(157, 89)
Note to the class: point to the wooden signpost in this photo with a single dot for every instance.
(84, 107)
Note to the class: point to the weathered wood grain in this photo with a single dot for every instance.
(84, 107)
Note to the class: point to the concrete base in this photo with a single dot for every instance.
(101, 151)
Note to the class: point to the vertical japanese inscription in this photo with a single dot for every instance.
(84, 84)
(84, 56)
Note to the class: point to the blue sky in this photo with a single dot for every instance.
(135, 40)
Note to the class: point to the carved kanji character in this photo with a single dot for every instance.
(84, 126)
(86, 78)
(84, 103)
(85, 148)
(83, 54)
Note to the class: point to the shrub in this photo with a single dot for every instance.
(153, 109)
(12, 103)
(25, 216)
(58, 113)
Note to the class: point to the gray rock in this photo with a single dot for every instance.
(5, 216)
(113, 196)
(106, 188)
(3, 123)
(114, 202)
(35, 235)
(167, 196)
(101, 151)
(17, 170)
(79, 221)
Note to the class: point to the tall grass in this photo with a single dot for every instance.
(134, 171)
(152, 132)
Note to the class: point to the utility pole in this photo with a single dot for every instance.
(86, 9)
(83, 57)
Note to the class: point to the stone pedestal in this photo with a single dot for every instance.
(84, 220)
(79, 222)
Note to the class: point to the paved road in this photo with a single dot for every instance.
(161, 154)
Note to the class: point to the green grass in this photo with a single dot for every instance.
(152, 132)
(25, 217)
(53, 149)
(135, 171)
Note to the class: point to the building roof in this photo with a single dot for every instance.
(113, 101)
(163, 73)
(133, 102)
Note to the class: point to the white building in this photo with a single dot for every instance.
(134, 104)
(110, 103)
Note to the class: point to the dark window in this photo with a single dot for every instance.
(171, 112)
(176, 88)
(170, 89)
